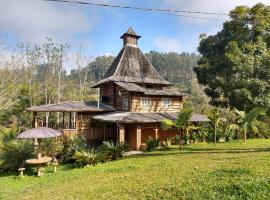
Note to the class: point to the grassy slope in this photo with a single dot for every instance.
(201, 171)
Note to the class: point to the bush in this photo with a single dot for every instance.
(8, 134)
(88, 156)
(70, 144)
(152, 144)
(53, 147)
(14, 153)
(112, 150)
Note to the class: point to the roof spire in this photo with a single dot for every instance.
(130, 37)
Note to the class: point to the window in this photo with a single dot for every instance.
(146, 102)
(125, 104)
(166, 102)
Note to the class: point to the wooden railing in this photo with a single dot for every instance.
(65, 125)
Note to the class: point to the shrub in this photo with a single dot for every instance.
(152, 144)
(112, 150)
(8, 134)
(13, 154)
(88, 156)
(53, 147)
(70, 144)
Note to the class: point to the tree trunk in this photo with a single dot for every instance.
(215, 130)
(180, 140)
(245, 136)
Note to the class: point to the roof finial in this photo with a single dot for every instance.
(130, 37)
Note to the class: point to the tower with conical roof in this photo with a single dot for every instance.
(131, 72)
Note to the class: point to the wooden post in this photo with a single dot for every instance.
(63, 125)
(121, 134)
(138, 137)
(156, 133)
(34, 124)
(69, 120)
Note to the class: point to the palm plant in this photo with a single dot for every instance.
(248, 122)
(215, 117)
(181, 124)
(113, 150)
(88, 156)
(13, 154)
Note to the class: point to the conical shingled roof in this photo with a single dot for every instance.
(132, 66)
(130, 32)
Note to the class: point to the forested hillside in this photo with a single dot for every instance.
(35, 74)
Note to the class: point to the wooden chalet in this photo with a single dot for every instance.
(134, 99)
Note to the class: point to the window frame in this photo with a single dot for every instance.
(125, 102)
(149, 100)
(167, 105)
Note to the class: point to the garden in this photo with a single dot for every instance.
(231, 170)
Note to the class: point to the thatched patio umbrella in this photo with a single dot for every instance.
(39, 133)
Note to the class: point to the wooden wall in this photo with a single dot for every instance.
(147, 131)
(93, 131)
(107, 93)
(156, 104)
(115, 95)
(120, 95)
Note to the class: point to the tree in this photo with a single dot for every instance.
(248, 122)
(181, 123)
(215, 117)
(234, 67)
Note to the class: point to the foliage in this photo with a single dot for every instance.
(14, 153)
(193, 174)
(234, 67)
(8, 134)
(113, 150)
(70, 144)
(248, 122)
(88, 156)
(152, 144)
(181, 123)
(52, 147)
(215, 117)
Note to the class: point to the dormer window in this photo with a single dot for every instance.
(166, 102)
(146, 102)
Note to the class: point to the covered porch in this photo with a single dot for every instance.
(68, 117)
(136, 128)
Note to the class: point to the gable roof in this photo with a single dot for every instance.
(72, 106)
(132, 66)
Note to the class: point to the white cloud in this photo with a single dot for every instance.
(35, 20)
(223, 6)
(167, 44)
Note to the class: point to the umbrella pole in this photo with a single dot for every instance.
(39, 149)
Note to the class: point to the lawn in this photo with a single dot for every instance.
(234, 170)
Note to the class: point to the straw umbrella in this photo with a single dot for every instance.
(38, 134)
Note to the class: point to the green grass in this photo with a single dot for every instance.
(234, 170)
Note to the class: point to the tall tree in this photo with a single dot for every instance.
(234, 67)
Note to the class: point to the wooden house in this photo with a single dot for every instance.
(134, 99)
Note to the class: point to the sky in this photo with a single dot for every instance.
(97, 30)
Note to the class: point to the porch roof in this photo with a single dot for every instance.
(73, 106)
(129, 117)
(132, 87)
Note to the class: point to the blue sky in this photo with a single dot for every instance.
(97, 30)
